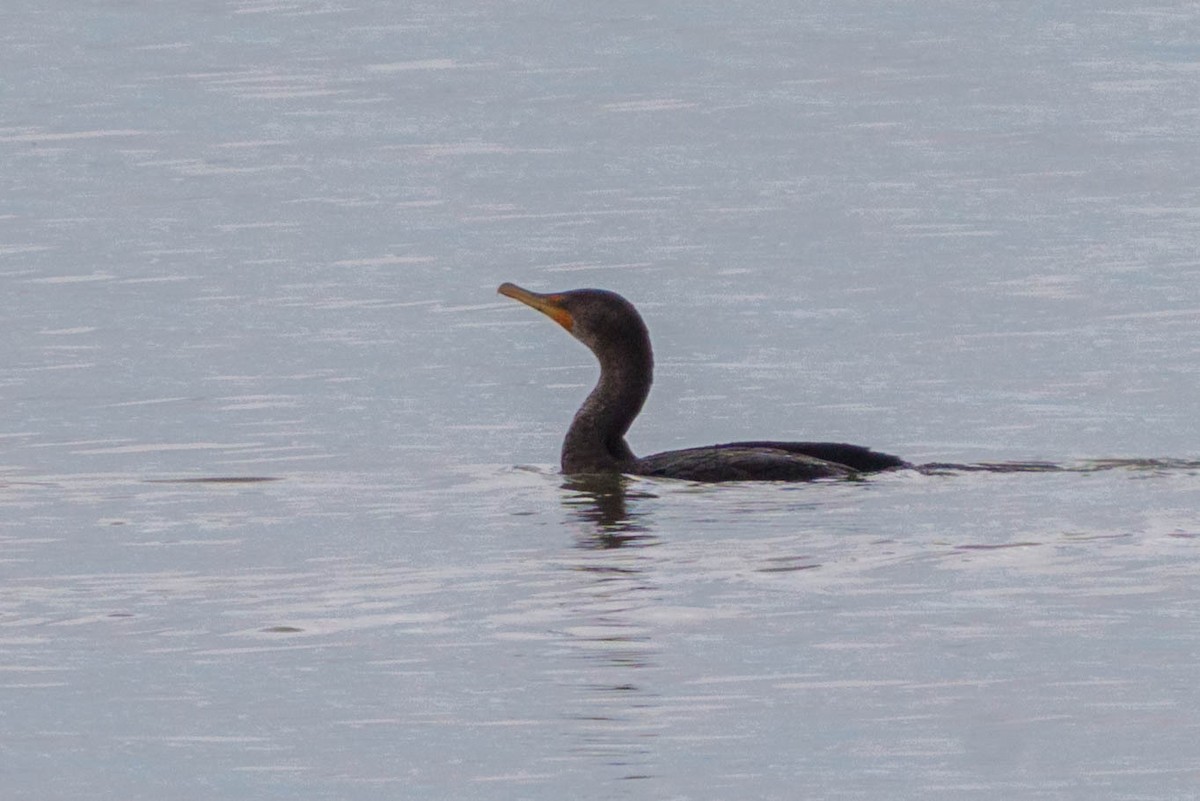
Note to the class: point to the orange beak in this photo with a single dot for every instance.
(549, 305)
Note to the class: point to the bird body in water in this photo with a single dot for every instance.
(595, 443)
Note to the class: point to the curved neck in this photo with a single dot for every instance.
(595, 441)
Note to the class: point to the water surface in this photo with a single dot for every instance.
(279, 511)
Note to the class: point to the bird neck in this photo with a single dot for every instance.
(595, 442)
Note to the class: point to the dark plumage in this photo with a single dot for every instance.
(595, 443)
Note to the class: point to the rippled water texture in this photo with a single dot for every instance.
(278, 510)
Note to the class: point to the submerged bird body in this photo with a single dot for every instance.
(595, 443)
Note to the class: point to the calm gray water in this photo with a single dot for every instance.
(261, 240)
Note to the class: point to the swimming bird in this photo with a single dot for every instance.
(613, 330)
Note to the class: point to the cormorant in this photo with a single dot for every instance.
(613, 330)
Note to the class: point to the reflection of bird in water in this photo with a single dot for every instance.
(612, 328)
(600, 502)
